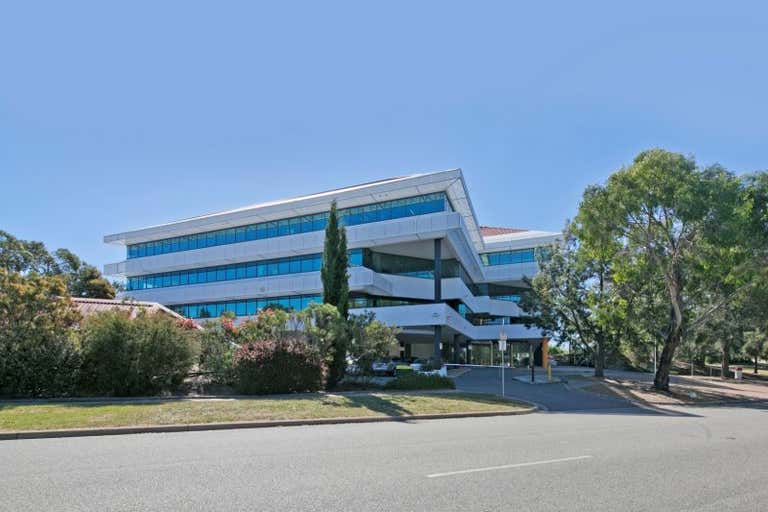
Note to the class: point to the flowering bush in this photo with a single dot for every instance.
(187, 324)
(278, 366)
(268, 324)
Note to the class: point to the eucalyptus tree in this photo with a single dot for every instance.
(572, 298)
(756, 346)
(666, 213)
(32, 257)
(25, 256)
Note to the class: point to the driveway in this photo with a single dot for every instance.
(556, 397)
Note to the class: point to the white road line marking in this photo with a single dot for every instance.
(509, 466)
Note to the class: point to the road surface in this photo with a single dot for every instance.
(702, 459)
(554, 397)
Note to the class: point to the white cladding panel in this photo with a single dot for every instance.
(459, 230)
(308, 283)
(409, 229)
(425, 315)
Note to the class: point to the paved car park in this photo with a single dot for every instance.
(555, 397)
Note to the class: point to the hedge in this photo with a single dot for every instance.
(278, 366)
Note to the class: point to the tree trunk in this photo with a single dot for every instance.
(726, 359)
(599, 360)
(661, 380)
(756, 365)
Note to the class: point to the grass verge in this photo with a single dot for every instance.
(20, 417)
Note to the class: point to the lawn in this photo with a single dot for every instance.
(46, 416)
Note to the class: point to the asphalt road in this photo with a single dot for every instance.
(554, 397)
(708, 459)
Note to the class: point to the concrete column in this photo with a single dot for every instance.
(438, 276)
(438, 263)
(469, 352)
(436, 352)
(456, 348)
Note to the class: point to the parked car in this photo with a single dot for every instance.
(417, 365)
(352, 367)
(384, 367)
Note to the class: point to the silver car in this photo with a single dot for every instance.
(384, 367)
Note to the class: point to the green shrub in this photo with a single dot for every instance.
(38, 357)
(278, 366)
(217, 349)
(403, 369)
(370, 340)
(129, 357)
(420, 381)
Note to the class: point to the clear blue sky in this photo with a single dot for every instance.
(118, 115)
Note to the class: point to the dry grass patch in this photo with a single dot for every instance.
(46, 416)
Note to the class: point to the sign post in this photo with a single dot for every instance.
(530, 360)
(502, 349)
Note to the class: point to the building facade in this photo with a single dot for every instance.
(418, 259)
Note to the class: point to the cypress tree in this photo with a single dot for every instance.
(342, 264)
(335, 262)
(336, 291)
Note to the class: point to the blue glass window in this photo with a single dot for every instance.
(292, 265)
(508, 257)
(377, 212)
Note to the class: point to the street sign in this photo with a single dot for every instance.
(502, 341)
(502, 349)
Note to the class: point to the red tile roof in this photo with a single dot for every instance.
(91, 306)
(493, 231)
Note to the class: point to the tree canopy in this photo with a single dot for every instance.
(31, 257)
(654, 254)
